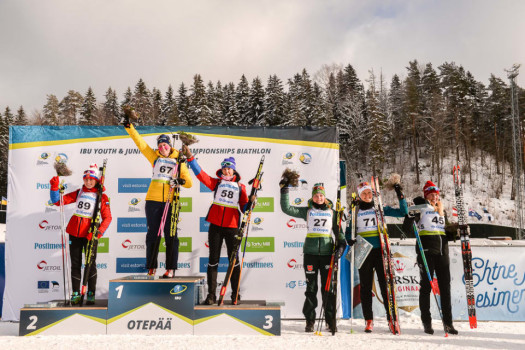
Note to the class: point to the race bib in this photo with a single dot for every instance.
(85, 204)
(319, 223)
(367, 223)
(163, 169)
(227, 194)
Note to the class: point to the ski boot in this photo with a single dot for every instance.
(427, 327)
(210, 299)
(369, 326)
(90, 300)
(169, 274)
(309, 326)
(236, 299)
(151, 272)
(449, 328)
(332, 327)
(75, 298)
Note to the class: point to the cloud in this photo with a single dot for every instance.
(50, 47)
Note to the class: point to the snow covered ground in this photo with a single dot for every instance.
(488, 335)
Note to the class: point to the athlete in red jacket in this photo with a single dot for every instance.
(224, 217)
(78, 228)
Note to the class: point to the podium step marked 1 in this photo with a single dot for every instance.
(143, 305)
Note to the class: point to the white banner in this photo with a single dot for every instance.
(273, 264)
(499, 283)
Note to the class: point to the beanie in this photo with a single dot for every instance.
(318, 188)
(362, 187)
(92, 172)
(228, 163)
(163, 139)
(429, 188)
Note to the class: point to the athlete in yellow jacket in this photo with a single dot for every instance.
(162, 160)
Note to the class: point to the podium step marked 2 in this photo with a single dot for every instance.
(143, 305)
(56, 319)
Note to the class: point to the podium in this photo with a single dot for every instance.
(55, 318)
(140, 305)
(144, 305)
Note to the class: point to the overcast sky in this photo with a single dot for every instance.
(52, 46)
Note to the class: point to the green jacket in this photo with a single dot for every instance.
(312, 245)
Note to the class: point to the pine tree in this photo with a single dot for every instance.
(413, 107)
(89, 109)
(141, 101)
(242, 97)
(230, 112)
(183, 104)
(157, 117)
(170, 113)
(21, 117)
(51, 110)
(331, 103)
(128, 96)
(198, 111)
(273, 102)
(217, 104)
(293, 103)
(306, 98)
(378, 132)
(70, 107)
(111, 108)
(319, 117)
(256, 103)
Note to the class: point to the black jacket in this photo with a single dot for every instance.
(433, 244)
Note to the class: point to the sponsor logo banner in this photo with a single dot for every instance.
(264, 204)
(48, 286)
(259, 244)
(294, 244)
(296, 284)
(103, 245)
(186, 204)
(133, 185)
(132, 225)
(131, 265)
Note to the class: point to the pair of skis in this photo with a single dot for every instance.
(243, 232)
(466, 252)
(388, 266)
(91, 247)
(330, 287)
(175, 211)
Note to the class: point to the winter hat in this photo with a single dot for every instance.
(228, 163)
(163, 139)
(362, 187)
(92, 172)
(429, 188)
(318, 188)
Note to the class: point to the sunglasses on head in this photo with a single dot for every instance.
(89, 172)
(432, 188)
(226, 164)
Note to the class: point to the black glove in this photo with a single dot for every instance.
(399, 189)
(177, 182)
(340, 249)
(284, 183)
(351, 242)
